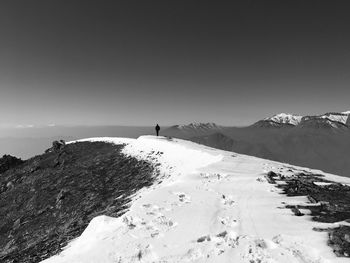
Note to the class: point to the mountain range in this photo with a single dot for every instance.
(321, 141)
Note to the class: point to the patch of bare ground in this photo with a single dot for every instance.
(329, 203)
(52, 197)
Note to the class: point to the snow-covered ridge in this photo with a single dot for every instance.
(214, 206)
(338, 117)
(285, 118)
(332, 118)
(198, 126)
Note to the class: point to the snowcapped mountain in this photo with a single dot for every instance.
(207, 205)
(285, 118)
(331, 120)
(327, 120)
(337, 117)
(279, 121)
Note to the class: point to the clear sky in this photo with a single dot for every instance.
(142, 62)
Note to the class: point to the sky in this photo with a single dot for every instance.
(145, 62)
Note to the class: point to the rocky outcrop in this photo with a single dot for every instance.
(8, 162)
(51, 198)
(329, 203)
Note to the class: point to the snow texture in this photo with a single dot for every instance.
(209, 206)
(286, 118)
(337, 117)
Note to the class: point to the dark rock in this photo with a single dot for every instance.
(339, 240)
(9, 186)
(7, 162)
(312, 199)
(50, 204)
(296, 211)
(334, 206)
(271, 177)
(204, 238)
(17, 224)
(58, 145)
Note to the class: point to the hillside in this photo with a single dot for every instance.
(49, 200)
(320, 142)
(218, 206)
(312, 148)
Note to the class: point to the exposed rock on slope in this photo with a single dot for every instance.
(55, 195)
(329, 203)
(8, 162)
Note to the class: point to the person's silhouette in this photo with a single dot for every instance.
(157, 129)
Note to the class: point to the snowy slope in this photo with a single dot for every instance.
(337, 117)
(285, 118)
(211, 206)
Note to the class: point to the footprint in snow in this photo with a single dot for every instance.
(164, 221)
(183, 198)
(227, 200)
(192, 255)
(153, 210)
(218, 243)
(132, 222)
(144, 253)
(228, 221)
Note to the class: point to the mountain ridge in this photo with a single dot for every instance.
(204, 210)
(326, 120)
(320, 141)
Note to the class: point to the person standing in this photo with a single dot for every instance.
(157, 129)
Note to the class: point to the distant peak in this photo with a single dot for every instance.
(285, 118)
(341, 117)
(198, 125)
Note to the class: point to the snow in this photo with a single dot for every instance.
(346, 112)
(338, 117)
(322, 183)
(286, 118)
(211, 206)
(198, 125)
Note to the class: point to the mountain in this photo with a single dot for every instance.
(279, 120)
(321, 141)
(203, 205)
(48, 200)
(331, 120)
(192, 129)
(159, 199)
(327, 120)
